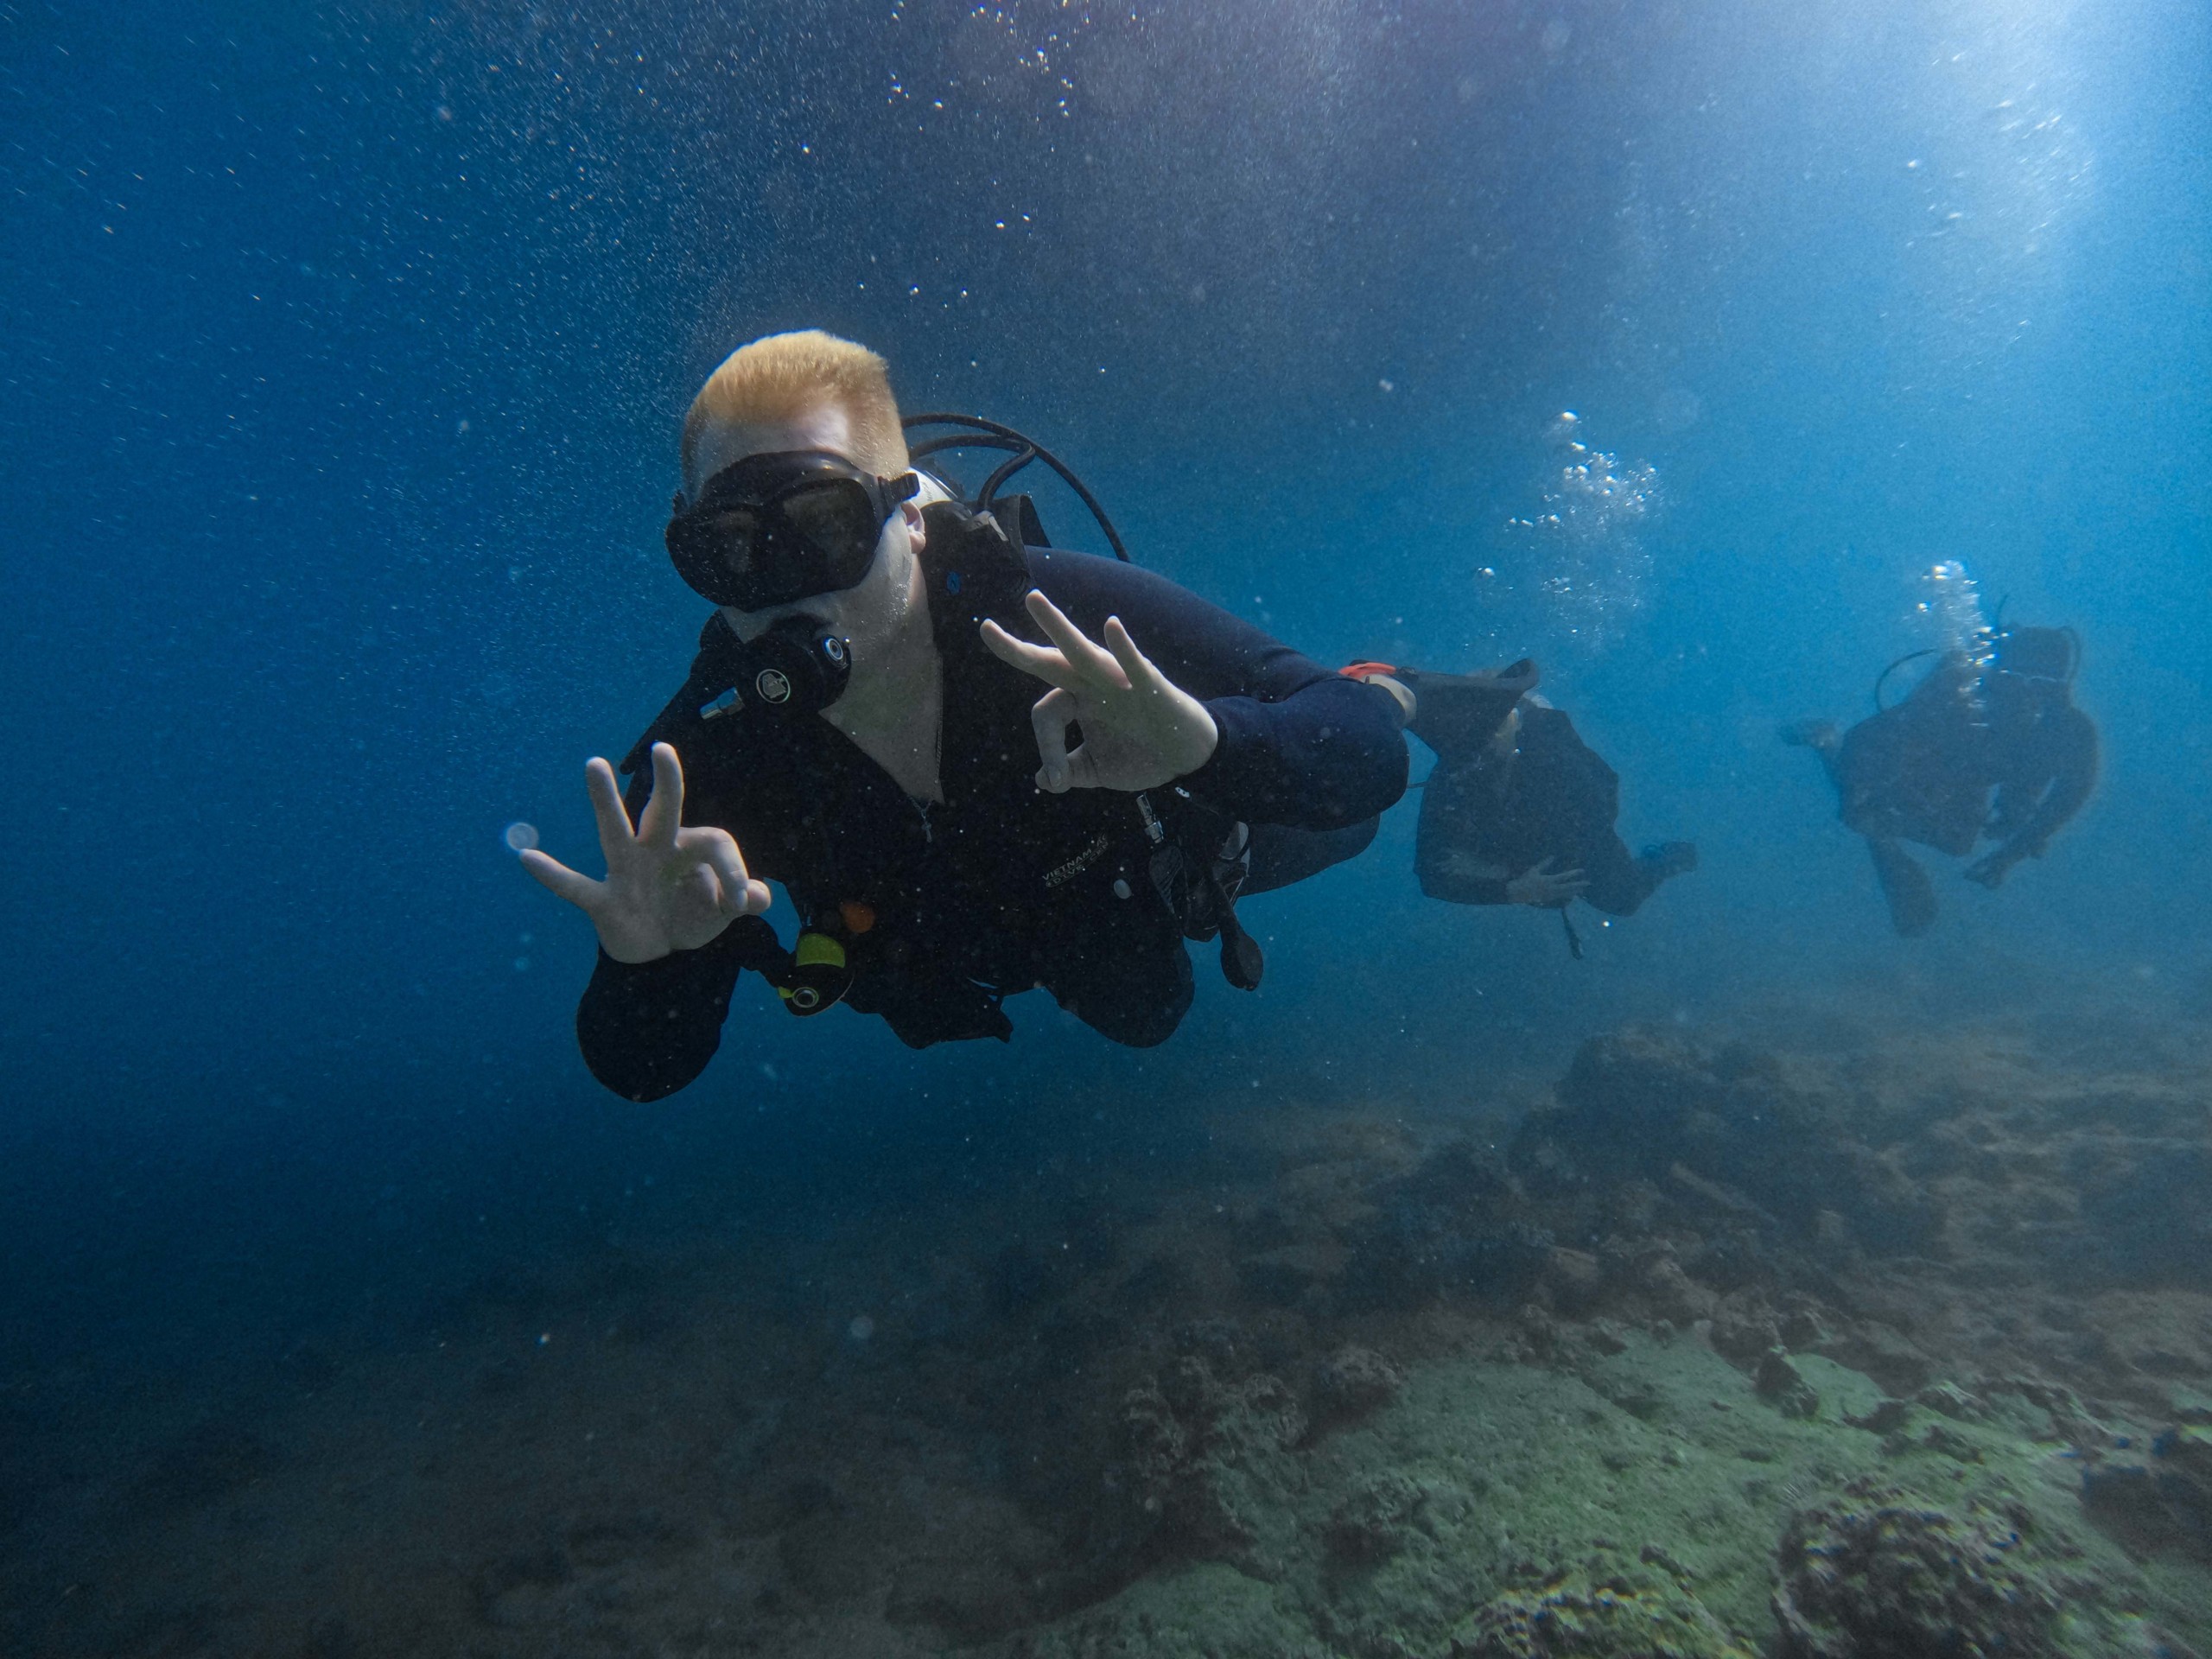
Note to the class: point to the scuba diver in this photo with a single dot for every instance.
(1519, 810)
(863, 723)
(1989, 744)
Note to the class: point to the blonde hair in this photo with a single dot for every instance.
(782, 377)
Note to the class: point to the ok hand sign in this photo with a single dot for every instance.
(667, 887)
(1138, 729)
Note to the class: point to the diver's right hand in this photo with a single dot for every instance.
(667, 887)
(1545, 887)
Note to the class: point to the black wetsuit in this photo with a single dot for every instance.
(1968, 755)
(1000, 886)
(1555, 797)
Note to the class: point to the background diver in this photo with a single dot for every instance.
(1984, 746)
(863, 724)
(1519, 809)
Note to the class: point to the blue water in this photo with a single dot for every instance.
(343, 355)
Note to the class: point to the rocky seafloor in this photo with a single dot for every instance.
(1841, 1343)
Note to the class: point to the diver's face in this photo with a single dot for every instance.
(873, 610)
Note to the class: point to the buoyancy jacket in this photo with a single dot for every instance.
(1966, 755)
(943, 909)
(1555, 797)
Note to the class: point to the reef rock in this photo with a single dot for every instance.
(1572, 1616)
(1369, 1523)
(1457, 1228)
(1351, 1383)
(2163, 1503)
(1724, 1128)
(1213, 1463)
(1875, 1575)
(1782, 1386)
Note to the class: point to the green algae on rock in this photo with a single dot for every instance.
(1877, 1574)
(1518, 1511)
(1214, 1465)
(1572, 1618)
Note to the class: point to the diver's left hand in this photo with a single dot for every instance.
(1990, 870)
(1545, 886)
(1140, 729)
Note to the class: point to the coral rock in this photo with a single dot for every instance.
(1352, 1382)
(2165, 1503)
(1370, 1524)
(1744, 1329)
(1213, 1462)
(1573, 1279)
(1573, 1617)
(1873, 1575)
(1954, 1403)
(1780, 1387)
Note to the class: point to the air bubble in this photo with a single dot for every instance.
(1962, 628)
(1954, 602)
(1581, 552)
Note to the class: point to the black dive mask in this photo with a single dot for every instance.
(771, 529)
(795, 666)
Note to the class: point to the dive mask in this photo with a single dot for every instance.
(771, 529)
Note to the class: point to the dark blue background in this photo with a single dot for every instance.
(344, 351)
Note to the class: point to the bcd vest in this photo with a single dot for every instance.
(930, 914)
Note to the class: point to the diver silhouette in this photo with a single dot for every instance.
(1989, 749)
(1519, 809)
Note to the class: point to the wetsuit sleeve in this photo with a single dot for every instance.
(648, 1028)
(1439, 881)
(2072, 755)
(1299, 744)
